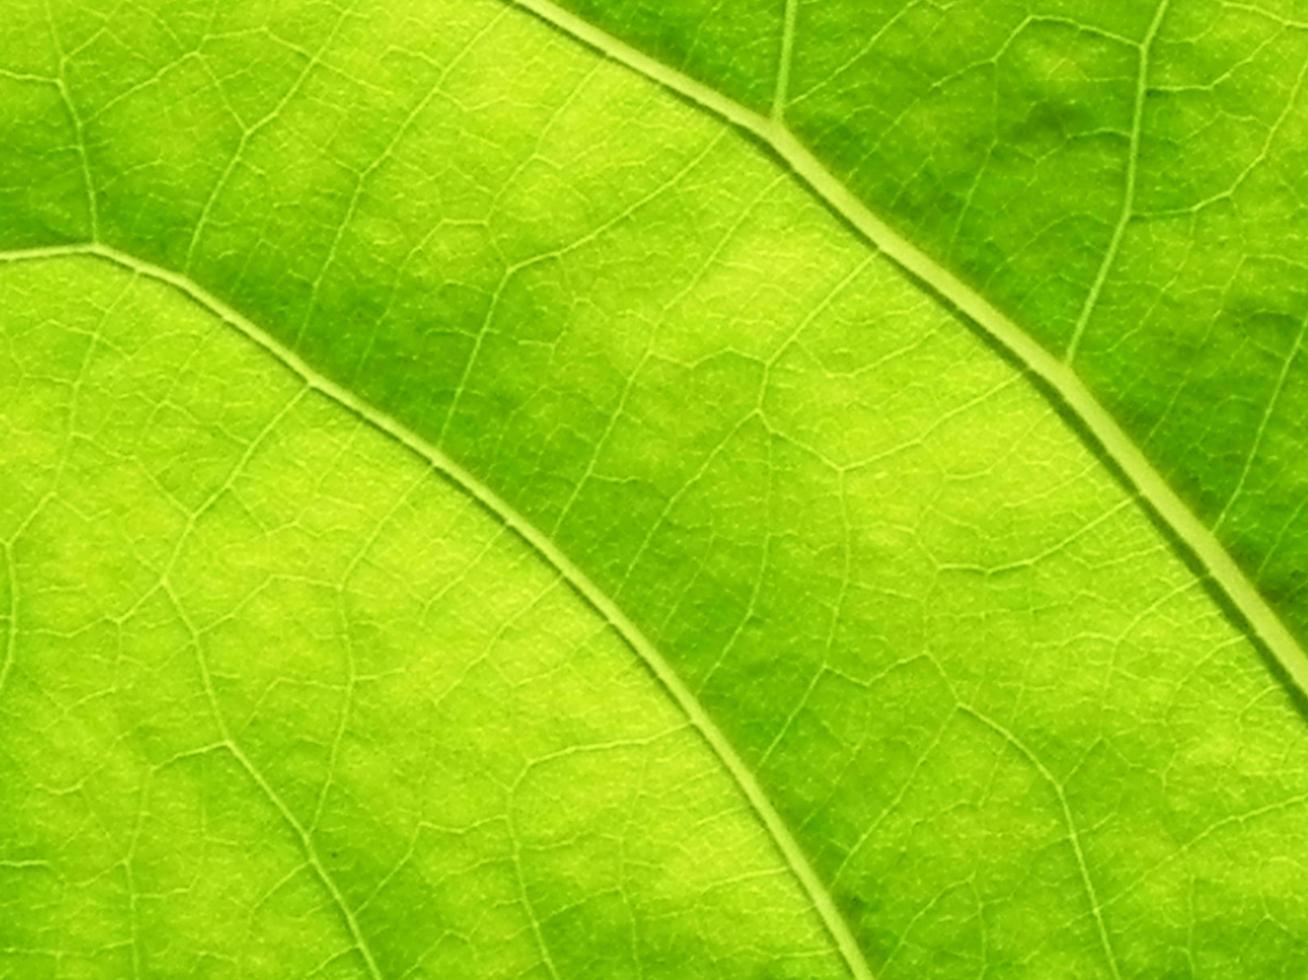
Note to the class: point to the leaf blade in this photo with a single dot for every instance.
(803, 437)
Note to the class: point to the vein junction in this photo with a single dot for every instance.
(1057, 376)
(1061, 381)
(502, 511)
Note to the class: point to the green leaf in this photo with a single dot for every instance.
(765, 490)
(1122, 180)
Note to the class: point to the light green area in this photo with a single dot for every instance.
(278, 697)
(1125, 180)
(283, 701)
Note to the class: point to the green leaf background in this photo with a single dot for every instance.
(639, 489)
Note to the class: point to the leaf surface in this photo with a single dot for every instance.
(469, 511)
(1125, 181)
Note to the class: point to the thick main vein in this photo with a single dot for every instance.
(767, 814)
(1060, 380)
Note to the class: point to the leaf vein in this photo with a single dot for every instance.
(577, 580)
(1057, 380)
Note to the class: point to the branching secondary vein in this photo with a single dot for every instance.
(1111, 439)
(1128, 191)
(1061, 380)
(500, 509)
